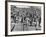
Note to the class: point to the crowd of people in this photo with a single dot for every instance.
(26, 18)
